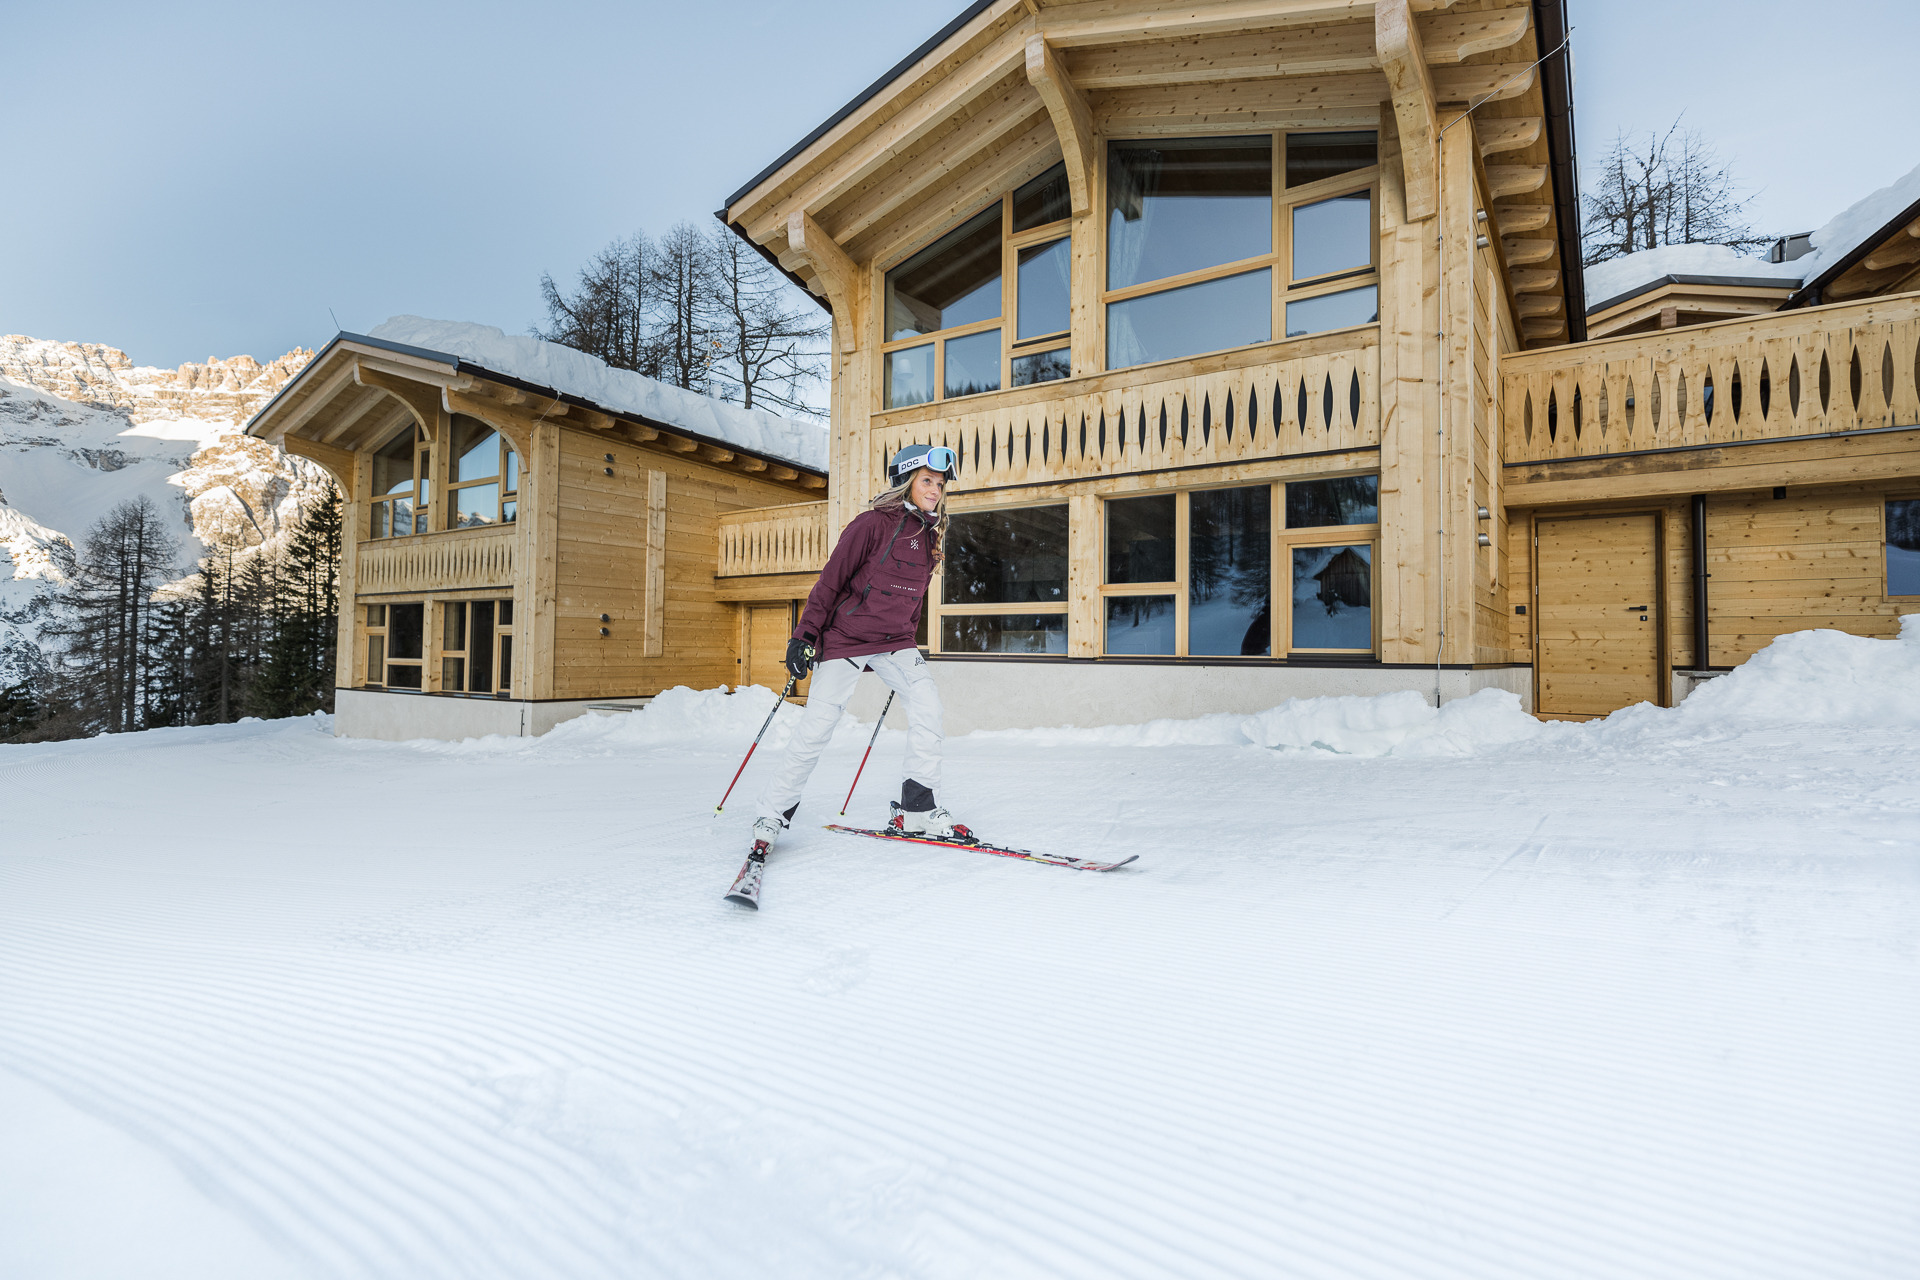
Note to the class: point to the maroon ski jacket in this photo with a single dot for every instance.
(870, 594)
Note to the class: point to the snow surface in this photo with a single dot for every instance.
(550, 365)
(1845, 232)
(1436, 994)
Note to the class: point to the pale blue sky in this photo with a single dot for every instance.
(205, 178)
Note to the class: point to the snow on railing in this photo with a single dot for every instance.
(1311, 395)
(789, 539)
(1849, 367)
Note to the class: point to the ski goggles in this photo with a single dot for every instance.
(934, 457)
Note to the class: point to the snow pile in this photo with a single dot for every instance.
(1858, 222)
(1817, 677)
(680, 715)
(548, 364)
(1224, 729)
(1394, 724)
(1618, 277)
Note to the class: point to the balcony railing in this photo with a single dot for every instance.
(790, 539)
(454, 561)
(1849, 367)
(1311, 395)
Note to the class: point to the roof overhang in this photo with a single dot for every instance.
(1879, 263)
(1703, 298)
(359, 389)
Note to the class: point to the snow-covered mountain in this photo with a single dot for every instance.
(83, 429)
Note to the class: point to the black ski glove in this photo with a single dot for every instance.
(800, 654)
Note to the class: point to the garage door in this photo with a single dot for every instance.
(1597, 645)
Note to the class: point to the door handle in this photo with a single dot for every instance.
(1636, 608)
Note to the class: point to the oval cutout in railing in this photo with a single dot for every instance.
(1553, 416)
(1163, 426)
(1120, 433)
(1326, 402)
(1143, 427)
(1706, 397)
(993, 450)
(1766, 390)
(1680, 401)
(1083, 435)
(1578, 413)
(1916, 366)
(1253, 413)
(1526, 418)
(1854, 379)
(963, 453)
(1603, 407)
(1654, 409)
(1733, 393)
(1029, 457)
(1206, 421)
(1303, 406)
(1629, 406)
(1229, 417)
(1046, 442)
(1183, 422)
(1353, 399)
(1793, 387)
(1103, 433)
(1826, 385)
(1886, 377)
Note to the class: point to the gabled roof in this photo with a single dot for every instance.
(573, 377)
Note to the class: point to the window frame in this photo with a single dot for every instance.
(1886, 566)
(500, 641)
(505, 498)
(1011, 243)
(381, 630)
(1283, 542)
(936, 609)
(422, 484)
(1283, 288)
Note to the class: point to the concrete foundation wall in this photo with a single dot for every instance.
(402, 717)
(986, 694)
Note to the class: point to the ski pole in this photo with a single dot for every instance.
(784, 695)
(863, 759)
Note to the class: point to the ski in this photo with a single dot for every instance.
(999, 851)
(746, 885)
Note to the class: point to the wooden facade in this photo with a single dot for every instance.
(1528, 481)
(587, 560)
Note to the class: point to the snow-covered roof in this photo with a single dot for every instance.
(1858, 225)
(568, 372)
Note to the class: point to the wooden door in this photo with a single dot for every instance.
(769, 626)
(1597, 633)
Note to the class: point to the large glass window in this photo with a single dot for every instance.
(1195, 573)
(476, 646)
(1003, 587)
(1903, 547)
(396, 655)
(485, 476)
(1193, 264)
(946, 334)
(401, 489)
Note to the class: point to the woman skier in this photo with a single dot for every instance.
(861, 616)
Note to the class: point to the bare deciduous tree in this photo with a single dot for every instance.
(770, 346)
(1661, 189)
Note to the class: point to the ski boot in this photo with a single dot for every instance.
(746, 885)
(928, 824)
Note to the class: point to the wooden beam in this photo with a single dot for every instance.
(833, 271)
(1533, 279)
(1315, 51)
(1072, 121)
(318, 397)
(509, 421)
(713, 453)
(1895, 253)
(369, 398)
(339, 463)
(1524, 253)
(777, 472)
(593, 418)
(421, 398)
(1535, 305)
(1515, 134)
(1483, 82)
(1125, 21)
(1457, 37)
(679, 444)
(1522, 217)
(1515, 179)
(753, 464)
(1536, 329)
(1415, 107)
(808, 481)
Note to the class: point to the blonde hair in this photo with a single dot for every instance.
(893, 500)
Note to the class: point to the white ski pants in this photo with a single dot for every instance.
(905, 672)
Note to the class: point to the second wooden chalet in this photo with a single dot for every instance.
(1260, 328)
(528, 533)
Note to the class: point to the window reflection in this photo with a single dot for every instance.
(1045, 299)
(973, 363)
(1333, 597)
(1333, 235)
(1042, 366)
(1003, 633)
(953, 281)
(1048, 198)
(1348, 500)
(1180, 205)
(1333, 311)
(910, 376)
(1229, 578)
(1006, 557)
(1210, 316)
(1140, 624)
(1903, 547)
(1140, 542)
(1314, 156)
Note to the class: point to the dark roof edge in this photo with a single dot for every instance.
(1733, 282)
(773, 260)
(867, 95)
(459, 365)
(1556, 89)
(1812, 292)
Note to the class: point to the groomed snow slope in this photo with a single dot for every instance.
(1634, 998)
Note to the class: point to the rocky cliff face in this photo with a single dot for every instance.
(82, 429)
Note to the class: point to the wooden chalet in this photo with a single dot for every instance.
(515, 552)
(1260, 328)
